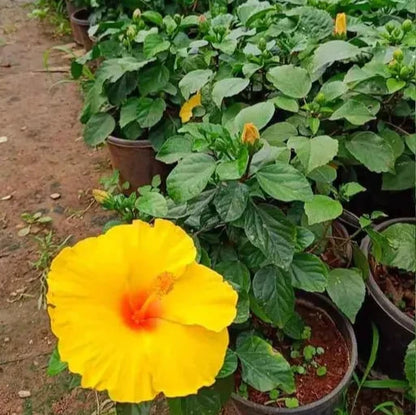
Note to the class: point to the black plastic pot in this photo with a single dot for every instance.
(396, 329)
(80, 25)
(136, 162)
(328, 404)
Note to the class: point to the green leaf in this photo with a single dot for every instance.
(150, 111)
(193, 81)
(274, 293)
(410, 365)
(372, 151)
(113, 69)
(154, 44)
(315, 23)
(264, 368)
(283, 182)
(304, 238)
(348, 190)
(233, 169)
(411, 142)
(153, 79)
(323, 174)
(400, 250)
(332, 51)
(229, 366)
(174, 148)
(153, 204)
(295, 327)
(314, 152)
(308, 273)
(55, 365)
(133, 408)
(286, 103)
(353, 111)
(347, 290)
(153, 17)
(394, 85)
(206, 402)
(259, 114)
(231, 200)
(243, 308)
(227, 88)
(321, 209)
(396, 142)
(278, 133)
(291, 80)
(333, 90)
(236, 273)
(404, 177)
(268, 229)
(190, 177)
(98, 128)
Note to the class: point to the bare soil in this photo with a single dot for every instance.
(42, 155)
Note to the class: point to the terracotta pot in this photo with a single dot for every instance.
(327, 404)
(136, 162)
(396, 328)
(80, 26)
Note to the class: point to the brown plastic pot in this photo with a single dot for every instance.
(327, 404)
(136, 162)
(396, 328)
(80, 25)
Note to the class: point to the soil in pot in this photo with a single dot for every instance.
(398, 286)
(338, 250)
(310, 387)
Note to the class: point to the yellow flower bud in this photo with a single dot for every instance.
(250, 134)
(187, 108)
(341, 24)
(100, 195)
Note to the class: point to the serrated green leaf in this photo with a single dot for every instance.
(291, 80)
(274, 294)
(98, 128)
(264, 368)
(283, 182)
(190, 177)
(153, 204)
(231, 200)
(332, 51)
(347, 290)
(193, 81)
(228, 87)
(259, 114)
(154, 44)
(269, 230)
(321, 209)
(353, 111)
(308, 273)
(278, 133)
(371, 150)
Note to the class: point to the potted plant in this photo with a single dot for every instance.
(132, 101)
(390, 286)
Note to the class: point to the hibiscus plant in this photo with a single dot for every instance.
(273, 120)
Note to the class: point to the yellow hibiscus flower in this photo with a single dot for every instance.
(186, 110)
(250, 133)
(136, 315)
(341, 24)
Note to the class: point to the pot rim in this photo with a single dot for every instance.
(376, 292)
(353, 349)
(77, 20)
(121, 142)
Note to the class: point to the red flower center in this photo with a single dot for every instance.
(141, 310)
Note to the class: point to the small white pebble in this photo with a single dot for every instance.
(3, 139)
(6, 339)
(24, 394)
(55, 196)
(30, 341)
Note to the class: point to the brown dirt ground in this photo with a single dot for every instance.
(43, 154)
